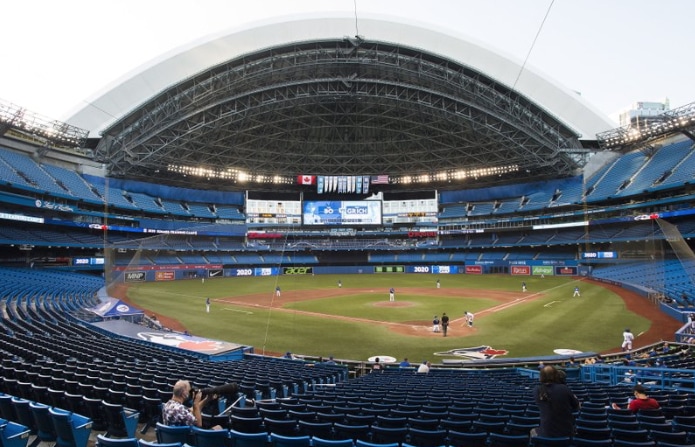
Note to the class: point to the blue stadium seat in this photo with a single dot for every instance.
(104, 441)
(241, 439)
(172, 434)
(277, 440)
(72, 430)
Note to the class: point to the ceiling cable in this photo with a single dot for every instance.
(533, 44)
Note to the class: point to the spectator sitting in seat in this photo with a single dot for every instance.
(641, 401)
(424, 367)
(175, 412)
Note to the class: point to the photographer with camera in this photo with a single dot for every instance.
(175, 411)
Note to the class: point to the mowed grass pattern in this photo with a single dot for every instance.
(552, 320)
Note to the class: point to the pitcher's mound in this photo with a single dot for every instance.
(393, 304)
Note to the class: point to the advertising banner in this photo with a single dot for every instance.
(164, 276)
(445, 269)
(474, 269)
(297, 270)
(418, 269)
(520, 270)
(545, 270)
(566, 271)
(389, 269)
(134, 276)
(266, 271)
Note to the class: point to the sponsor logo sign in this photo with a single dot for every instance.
(134, 276)
(164, 276)
(599, 255)
(474, 269)
(297, 270)
(263, 271)
(475, 353)
(546, 270)
(445, 269)
(566, 271)
(521, 270)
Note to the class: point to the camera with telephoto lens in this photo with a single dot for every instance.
(227, 390)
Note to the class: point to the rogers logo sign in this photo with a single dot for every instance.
(521, 270)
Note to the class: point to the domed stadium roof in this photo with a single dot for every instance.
(306, 96)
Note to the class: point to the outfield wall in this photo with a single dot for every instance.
(148, 273)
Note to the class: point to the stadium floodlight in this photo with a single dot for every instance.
(680, 119)
(29, 124)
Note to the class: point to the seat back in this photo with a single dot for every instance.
(354, 432)
(586, 442)
(323, 442)
(389, 435)
(13, 434)
(72, 430)
(104, 441)
(506, 440)
(167, 434)
(209, 438)
(360, 443)
(427, 438)
(45, 430)
(285, 427)
(241, 439)
(6, 408)
(23, 412)
(145, 443)
(322, 430)
(467, 439)
(121, 422)
(542, 441)
(94, 409)
(277, 440)
(246, 424)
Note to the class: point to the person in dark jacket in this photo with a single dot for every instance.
(556, 403)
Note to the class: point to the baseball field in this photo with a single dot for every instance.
(314, 316)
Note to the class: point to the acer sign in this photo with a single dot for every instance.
(297, 270)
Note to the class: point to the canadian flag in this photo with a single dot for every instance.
(306, 179)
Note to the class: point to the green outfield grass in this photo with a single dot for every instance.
(593, 322)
